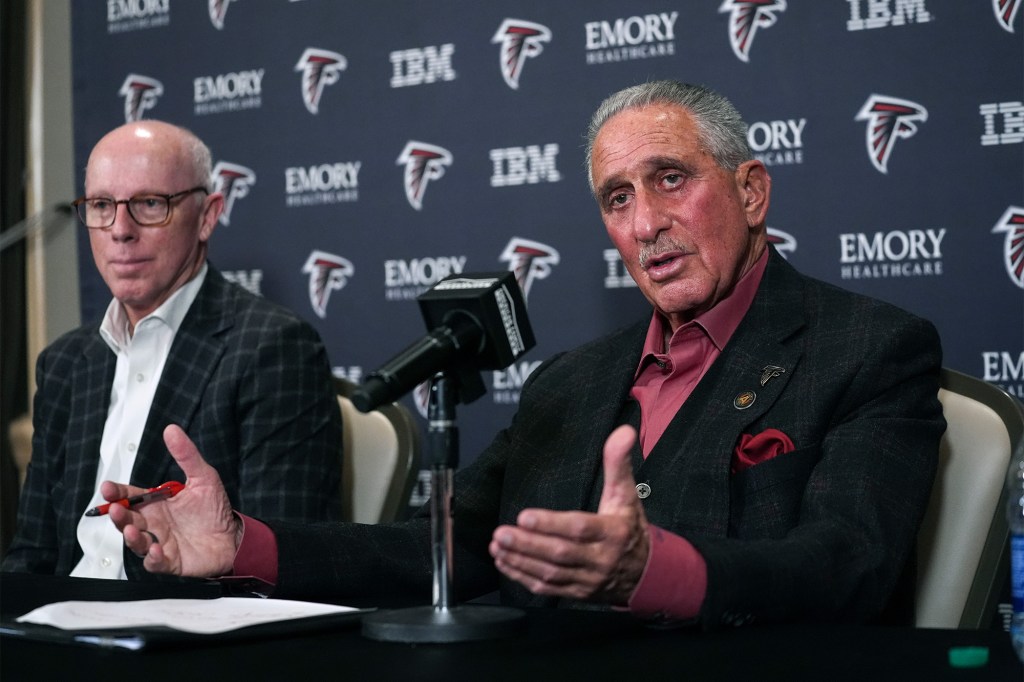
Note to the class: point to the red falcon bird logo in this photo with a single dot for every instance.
(529, 261)
(319, 68)
(519, 40)
(218, 8)
(140, 93)
(784, 242)
(1012, 223)
(421, 398)
(233, 181)
(423, 162)
(1005, 11)
(888, 119)
(327, 273)
(745, 17)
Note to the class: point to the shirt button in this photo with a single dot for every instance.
(106, 562)
(643, 491)
(131, 447)
(140, 377)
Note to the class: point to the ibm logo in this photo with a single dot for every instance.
(417, 66)
(247, 279)
(617, 277)
(524, 165)
(1004, 123)
(868, 14)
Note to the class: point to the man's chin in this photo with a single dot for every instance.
(680, 307)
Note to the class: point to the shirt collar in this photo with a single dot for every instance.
(114, 327)
(720, 322)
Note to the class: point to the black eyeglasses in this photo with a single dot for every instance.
(148, 210)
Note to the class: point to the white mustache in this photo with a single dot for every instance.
(660, 246)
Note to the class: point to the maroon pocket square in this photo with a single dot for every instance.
(753, 450)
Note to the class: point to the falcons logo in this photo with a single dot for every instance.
(140, 93)
(529, 261)
(233, 181)
(745, 17)
(888, 118)
(518, 40)
(421, 398)
(327, 273)
(1005, 11)
(319, 68)
(784, 242)
(1012, 223)
(423, 162)
(218, 8)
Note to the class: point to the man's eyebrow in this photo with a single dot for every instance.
(607, 187)
(650, 165)
(656, 163)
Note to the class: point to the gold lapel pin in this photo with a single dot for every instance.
(744, 400)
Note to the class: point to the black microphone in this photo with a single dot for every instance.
(477, 321)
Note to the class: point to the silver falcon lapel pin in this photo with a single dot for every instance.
(770, 372)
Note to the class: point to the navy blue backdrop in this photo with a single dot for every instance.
(368, 149)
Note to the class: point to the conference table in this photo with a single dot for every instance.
(550, 644)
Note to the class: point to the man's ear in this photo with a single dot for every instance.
(213, 206)
(755, 186)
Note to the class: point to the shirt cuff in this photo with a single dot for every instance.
(674, 581)
(256, 556)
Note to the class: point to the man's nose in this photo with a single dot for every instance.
(649, 217)
(124, 228)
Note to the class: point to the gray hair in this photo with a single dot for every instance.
(722, 130)
(200, 158)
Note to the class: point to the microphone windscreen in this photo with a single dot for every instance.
(496, 302)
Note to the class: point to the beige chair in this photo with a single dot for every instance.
(381, 455)
(963, 554)
(20, 433)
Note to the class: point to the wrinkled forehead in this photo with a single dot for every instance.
(655, 130)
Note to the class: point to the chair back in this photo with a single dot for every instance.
(381, 455)
(963, 550)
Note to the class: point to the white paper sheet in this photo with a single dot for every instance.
(201, 616)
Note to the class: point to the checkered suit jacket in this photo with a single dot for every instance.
(248, 381)
(819, 533)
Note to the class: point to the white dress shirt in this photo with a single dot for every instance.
(140, 362)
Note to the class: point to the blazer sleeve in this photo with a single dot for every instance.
(288, 424)
(34, 547)
(50, 502)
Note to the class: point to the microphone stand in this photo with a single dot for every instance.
(442, 621)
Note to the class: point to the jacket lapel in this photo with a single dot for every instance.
(91, 379)
(694, 454)
(191, 362)
(603, 389)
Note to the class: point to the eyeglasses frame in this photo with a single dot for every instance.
(77, 203)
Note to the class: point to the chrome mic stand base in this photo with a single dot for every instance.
(443, 621)
(425, 624)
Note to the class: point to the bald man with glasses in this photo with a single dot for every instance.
(178, 345)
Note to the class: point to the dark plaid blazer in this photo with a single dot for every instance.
(819, 533)
(248, 381)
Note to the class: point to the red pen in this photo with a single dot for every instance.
(169, 489)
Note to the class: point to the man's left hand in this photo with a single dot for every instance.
(580, 555)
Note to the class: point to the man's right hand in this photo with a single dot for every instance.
(195, 533)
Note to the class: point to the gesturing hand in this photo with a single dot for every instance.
(190, 534)
(580, 555)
